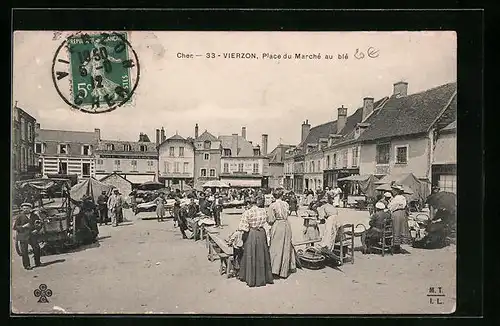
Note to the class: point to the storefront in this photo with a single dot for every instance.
(330, 177)
(298, 183)
(445, 177)
(243, 182)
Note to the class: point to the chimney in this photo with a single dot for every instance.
(195, 131)
(306, 127)
(244, 132)
(367, 107)
(341, 119)
(162, 135)
(400, 89)
(265, 138)
(97, 132)
(234, 145)
(158, 137)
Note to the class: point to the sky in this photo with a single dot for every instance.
(267, 96)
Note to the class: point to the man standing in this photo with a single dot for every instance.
(336, 196)
(114, 202)
(27, 228)
(217, 209)
(102, 202)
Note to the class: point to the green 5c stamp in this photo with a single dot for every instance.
(96, 72)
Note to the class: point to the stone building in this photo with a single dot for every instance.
(24, 159)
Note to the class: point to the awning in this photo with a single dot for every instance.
(247, 183)
(139, 179)
(357, 177)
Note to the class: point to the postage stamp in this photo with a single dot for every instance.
(96, 72)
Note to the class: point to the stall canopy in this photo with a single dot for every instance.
(215, 184)
(420, 188)
(366, 183)
(89, 187)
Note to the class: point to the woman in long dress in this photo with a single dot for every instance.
(255, 262)
(160, 207)
(397, 207)
(283, 256)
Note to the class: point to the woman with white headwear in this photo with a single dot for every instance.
(397, 207)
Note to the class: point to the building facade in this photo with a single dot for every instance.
(67, 152)
(277, 159)
(207, 157)
(24, 159)
(176, 162)
(243, 164)
(136, 161)
(444, 165)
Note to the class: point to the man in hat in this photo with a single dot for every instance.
(27, 226)
(114, 203)
(102, 202)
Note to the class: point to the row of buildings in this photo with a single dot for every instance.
(397, 134)
(175, 161)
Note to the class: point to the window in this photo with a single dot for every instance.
(206, 144)
(23, 129)
(212, 172)
(86, 150)
(127, 147)
(328, 161)
(38, 148)
(401, 154)
(206, 156)
(86, 170)
(63, 168)
(110, 147)
(63, 149)
(312, 167)
(334, 163)
(203, 172)
(181, 151)
(171, 152)
(151, 163)
(117, 165)
(354, 156)
(134, 164)
(226, 167)
(185, 167)
(30, 132)
(255, 168)
(240, 167)
(227, 152)
(167, 167)
(143, 148)
(344, 158)
(383, 151)
(99, 162)
(319, 165)
(176, 167)
(256, 152)
(448, 182)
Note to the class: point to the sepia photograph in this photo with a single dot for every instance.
(197, 172)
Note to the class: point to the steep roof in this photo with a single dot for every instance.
(244, 146)
(206, 136)
(118, 146)
(410, 114)
(66, 136)
(320, 131)
(176, 137)
(277, 155)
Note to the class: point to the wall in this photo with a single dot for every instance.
(338, 153)
(248, 165)
(144, 165)
(165, 158)
(445, 151)
(276, 175)
(50, 165)
(418, 158)
(212, 163)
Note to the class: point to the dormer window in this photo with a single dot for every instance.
(227, 152)
(143, 148)
(127, 147)
(86, 150)
(110, 147)
(256, 152)
(63, 149)
(206, 144)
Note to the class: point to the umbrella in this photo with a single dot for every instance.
(388, 187)
(443, 200)
(151, 185)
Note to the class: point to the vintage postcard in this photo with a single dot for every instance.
(234, 172)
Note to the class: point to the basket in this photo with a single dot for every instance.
(311, 258)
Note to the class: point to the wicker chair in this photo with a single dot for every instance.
(343, 248)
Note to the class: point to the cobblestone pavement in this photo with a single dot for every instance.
(144, 266)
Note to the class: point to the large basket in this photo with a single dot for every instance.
(311, 258)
